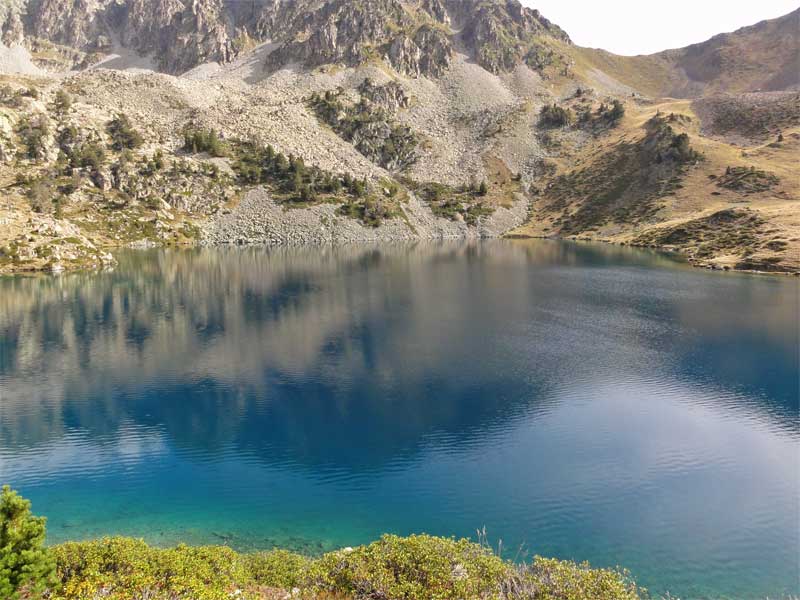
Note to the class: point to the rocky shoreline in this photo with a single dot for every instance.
(258, 219)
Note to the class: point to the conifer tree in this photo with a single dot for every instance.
(25, 564)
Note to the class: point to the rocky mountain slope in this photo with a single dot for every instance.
(333, 120)
(413, 36)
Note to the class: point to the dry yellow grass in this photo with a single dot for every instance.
(699, 195)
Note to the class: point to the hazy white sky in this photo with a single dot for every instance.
(643, 27)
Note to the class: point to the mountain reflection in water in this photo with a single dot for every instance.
(593, 402)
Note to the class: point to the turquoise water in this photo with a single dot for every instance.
(578, 401)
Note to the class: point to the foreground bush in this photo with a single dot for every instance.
(127, 569)
(550, 579)
(418, 567)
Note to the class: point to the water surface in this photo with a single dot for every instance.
(578, 401)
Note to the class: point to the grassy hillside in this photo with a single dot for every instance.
(762, 57)
(656, 180)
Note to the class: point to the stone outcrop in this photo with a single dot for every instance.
(503, 35)
(390, 97)
(414, 37)
(11, 28)
(369, 127)
(179, 34)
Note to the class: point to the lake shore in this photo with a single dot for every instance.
(322, 236)
(710, 265)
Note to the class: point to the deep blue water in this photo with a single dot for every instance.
(587, 402)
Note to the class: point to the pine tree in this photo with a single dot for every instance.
(123, 135)
(617, 111)
(297, 181)
(281, 163)
(25, 564)
(62, 102)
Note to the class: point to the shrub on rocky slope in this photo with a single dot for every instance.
(370, 128)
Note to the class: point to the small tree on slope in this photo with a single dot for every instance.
(25, 565)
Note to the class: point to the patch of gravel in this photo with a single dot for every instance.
(457, 116)
(125, 59)
(606, 84)
(17, 61)
(258, 219)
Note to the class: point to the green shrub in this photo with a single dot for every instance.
(123, 135)
(291, 177)
(553, 115)
(62, 102)
(453, 203)
(370, 211)
(420, 567)
(617, 111)
(748, 180)
(551, 579)
(204, 140)
(279, 569)
(90, 155)
(33, 131)
(126, 568)
(25, 565)
(40, 194)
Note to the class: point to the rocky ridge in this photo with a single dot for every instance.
(416, 37)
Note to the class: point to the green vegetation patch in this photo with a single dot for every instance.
(294, 183)
(123, 135)
(204, 140)
(25, 565)
(370, 128)
(418, 567)
(14, 97)
(553, 115)
(606, 116)
(33, 132)
(467, 203)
